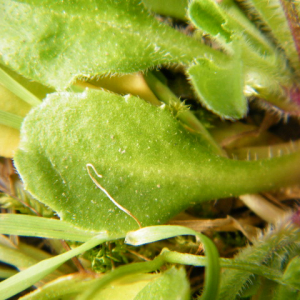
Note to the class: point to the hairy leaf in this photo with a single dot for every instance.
(173, 8)
(54, 42)
(281, 19)
(149, 164)
(208, 16)
(222, 89)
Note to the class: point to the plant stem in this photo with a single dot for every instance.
(164, 94)
(155, 233)
(194, 260)
(18, 89)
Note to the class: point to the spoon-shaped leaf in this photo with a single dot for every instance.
(149, 164)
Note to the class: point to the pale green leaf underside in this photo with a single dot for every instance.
(149, 163)
(54, 42)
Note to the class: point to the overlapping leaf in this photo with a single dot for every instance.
(55, 42)
(149, 163)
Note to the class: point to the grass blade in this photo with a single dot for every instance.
(26, 225)
(28, 277)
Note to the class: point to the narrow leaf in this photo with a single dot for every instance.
(28, 277)
(292, 273)
(10, 120)
(18, 89)
(41, 227)
(6, 272)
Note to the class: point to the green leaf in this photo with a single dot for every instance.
(42, 227)
(292, 273)
(273, 249)
(16, 88)
(6, 272)
(65, 287)
(55, 42)
(172, 8)
(126, 288)
(24, 256)
(220, 86)
(9, 141)
(155, 233)
(28, 277)
(10, 120)
(12, 111)
(149, 164)
(224, 21)
(207, 15)
(171, 285)
(140, 164)
(280, 18)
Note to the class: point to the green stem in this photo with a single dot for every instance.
(11, 120)
(164, 94)
(202, 261)
(16, 88)
(155, 233)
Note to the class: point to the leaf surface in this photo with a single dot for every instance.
(30, 276)
(140, 150)
(220, 87)
(149, 164)
(175, 286)
(54, 42)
